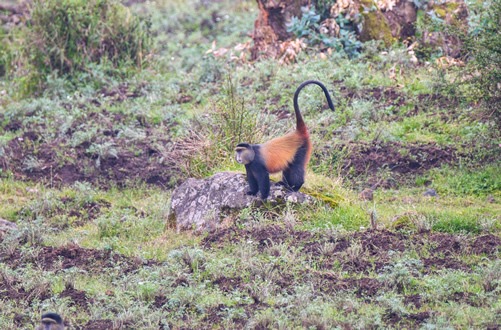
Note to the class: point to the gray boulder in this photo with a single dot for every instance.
(202, 204)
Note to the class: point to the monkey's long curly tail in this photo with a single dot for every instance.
(299, 118)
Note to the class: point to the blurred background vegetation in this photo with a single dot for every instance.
(107, 105)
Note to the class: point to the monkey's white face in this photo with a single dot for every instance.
(244, 156)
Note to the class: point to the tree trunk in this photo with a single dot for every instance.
(270, 29)
(392, 21)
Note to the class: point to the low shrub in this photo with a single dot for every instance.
(66, 36)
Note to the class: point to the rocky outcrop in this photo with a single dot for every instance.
(205, 204)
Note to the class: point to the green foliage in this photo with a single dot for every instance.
(465, 181)
(236, 123)
(324, 7)
(231, 123)
(3, 53)
(344, 215)
(293, 267)
(67, 36)
(451, 222)
(483, 44)
(308, 27)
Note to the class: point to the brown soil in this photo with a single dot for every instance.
(414, 299)
(64, 257)
(78, 298)
(361, 252)
(97, 325)
(390, 96)
(57, 162)
(78, 213)
(56, 259)
(487, 244)
(12, 289)
(387, 165)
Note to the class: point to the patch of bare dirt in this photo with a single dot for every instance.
(79, 212)
(215, 315)
(13, 289)
(414, 299)
(107, 159)
(447, 244)
(97, 325)
(487, 244)
(380, 241)
(406, 321)
(160, 300)
(389, 95)
(64, 257)
(121, 92)
(331, 284)
(362, 252)
(435, 263)
(388, 164)
(264, 236)
(228, 284)
(13, 14)
(78, 298)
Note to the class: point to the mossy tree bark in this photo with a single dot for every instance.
(389, 24)
(270, 26)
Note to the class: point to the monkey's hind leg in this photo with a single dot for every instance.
(293, 178)
(264, 184)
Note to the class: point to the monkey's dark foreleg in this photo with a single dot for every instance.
(253, 184)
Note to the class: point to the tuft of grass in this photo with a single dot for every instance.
(66, 37)
(464, 181)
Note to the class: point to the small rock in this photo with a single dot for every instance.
(491, 199)
(430, 192)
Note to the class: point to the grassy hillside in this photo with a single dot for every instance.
(91, 151)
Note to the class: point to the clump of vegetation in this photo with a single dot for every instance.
(231, 123)
(86, 174)
(309, 27)
(65, 37)
(483, 44)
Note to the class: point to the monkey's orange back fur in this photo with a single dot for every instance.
(279, 152)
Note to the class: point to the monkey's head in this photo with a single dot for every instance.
(244, 154)
(51, 321)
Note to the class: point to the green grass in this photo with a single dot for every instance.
(293, 266)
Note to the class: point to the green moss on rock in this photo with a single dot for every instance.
(376, 27)
(332, 201)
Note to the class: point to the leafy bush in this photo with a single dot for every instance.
(483, 44)
(308, 27)
(66, 36)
